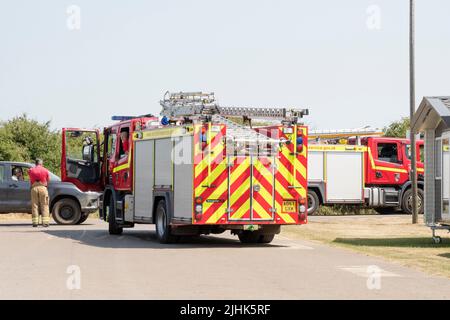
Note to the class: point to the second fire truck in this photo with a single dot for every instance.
(366, 170)
(194, 171)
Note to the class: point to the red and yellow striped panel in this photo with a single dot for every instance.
(263, 188)
(240, 194)
(291, 177)
(251, 191)
(210, 172)
(291, 173)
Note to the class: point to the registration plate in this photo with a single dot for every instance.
(289, 206)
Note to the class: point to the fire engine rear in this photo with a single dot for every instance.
(194, 171)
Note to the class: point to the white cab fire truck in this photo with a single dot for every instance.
(194, 171)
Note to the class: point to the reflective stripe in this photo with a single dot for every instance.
(123, 166)
(372, 163)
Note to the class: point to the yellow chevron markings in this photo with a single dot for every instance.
(242, 210)
(218, 149)
(284, 194)
(260, 210)
(223, 187)
(298, 165)
(214, 175)
(267, 196)
(217, 214)
(288, 176)
(244, 187)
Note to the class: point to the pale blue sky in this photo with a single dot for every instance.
(315, 54)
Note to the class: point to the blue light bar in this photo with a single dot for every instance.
(121, 118)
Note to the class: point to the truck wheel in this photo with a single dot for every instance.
(248, 237)
(66, 211)
(407, 201)
(266, 238)
(113, 227)
(255, 237)
(313, 202)
(83, 218)
(163, 229)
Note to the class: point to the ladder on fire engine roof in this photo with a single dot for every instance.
(200, 104)
(345, 133)
(191, 104)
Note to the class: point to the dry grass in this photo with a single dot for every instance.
(391, 237)
(27, 216)
(15, 216)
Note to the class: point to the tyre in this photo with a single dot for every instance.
(66, 212)
(386, 210)
(113, 227)
(163, 229)
(407, 201)
(313, 202)
(266, 238)
(255, 237)
(83, 218)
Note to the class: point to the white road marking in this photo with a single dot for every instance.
(363, 271)
(294, 246)
(288, 244)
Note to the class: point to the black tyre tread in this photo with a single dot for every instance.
(66, 202)
(167, 236)
(113, 228)
(317, 202)
(266, 238)
(83, 218)
(406, 195)
(249, 236)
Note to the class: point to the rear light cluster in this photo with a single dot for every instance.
(204, 138)
(198, 208)
(302, 209)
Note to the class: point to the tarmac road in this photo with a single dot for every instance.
(85, 262)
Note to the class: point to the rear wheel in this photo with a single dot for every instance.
(66, 211)
(266, 238)
(407, 201)
(113, 227)
(255, 237)
(163, 229)
(313, 202)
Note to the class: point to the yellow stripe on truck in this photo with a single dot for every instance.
(380, 168)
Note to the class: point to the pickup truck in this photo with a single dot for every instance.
(68, 204)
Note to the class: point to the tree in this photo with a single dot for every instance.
(24, 139)
(397, 129)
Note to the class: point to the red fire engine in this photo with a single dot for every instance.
(372, 171)
(195, 171)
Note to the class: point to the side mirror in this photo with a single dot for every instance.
(88, 153)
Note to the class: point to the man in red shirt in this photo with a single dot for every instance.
(39, 178)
